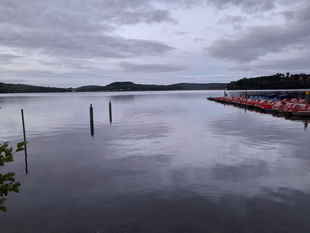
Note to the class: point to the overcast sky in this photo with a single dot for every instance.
(70, 43)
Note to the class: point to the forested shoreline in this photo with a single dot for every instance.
(276, 81)
(116, 86)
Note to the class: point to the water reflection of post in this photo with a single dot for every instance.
(110, 112)
(26, 160)
(24, 132)
(91, 116)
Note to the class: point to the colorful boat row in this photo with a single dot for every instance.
(294, 106)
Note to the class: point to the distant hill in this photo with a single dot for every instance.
(116, 86)
(89, 88)
(130, 86)
(276, 81)
(198, 86)
(22, 88)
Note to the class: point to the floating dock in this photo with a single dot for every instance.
(293, 106)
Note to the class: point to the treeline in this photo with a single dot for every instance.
(130, 86)
(116, 86)
(22, 88)
(276, 81)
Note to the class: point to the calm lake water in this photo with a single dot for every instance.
(171, 162)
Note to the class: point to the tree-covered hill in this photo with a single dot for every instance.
(22, 88)
(276, 81)
(130, 86)
(116, 86)
(198, 86)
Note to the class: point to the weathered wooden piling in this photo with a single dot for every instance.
(91, 117)
(110, 111)
(25, 140)
(23, 121)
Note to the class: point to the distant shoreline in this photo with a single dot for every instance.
(113, 87)
(273, 82)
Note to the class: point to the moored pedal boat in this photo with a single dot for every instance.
(294, 106)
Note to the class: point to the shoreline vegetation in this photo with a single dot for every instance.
(276, 81)
(116, 86)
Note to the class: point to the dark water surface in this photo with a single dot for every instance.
(171, 162)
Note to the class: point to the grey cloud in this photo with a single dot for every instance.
(251, 6)
(182, 33)
(129, 17)
(260, 41)
(8, 58)
(56, 78)
(91, 13)
(151, 68)
(235, 21)
(298, 64)
(75, 44)
(232, 20)
(83, 28)
(34, 73)
(199, 40)
(300, 14)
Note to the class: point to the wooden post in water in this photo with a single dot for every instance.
(91, 116)
(110, 111)
(23, 121)
(24, 132)
(307, 97)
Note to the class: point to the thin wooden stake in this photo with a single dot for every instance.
(25, 140)
(91, 116)
(110, 111)
(23, 121)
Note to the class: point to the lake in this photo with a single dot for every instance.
(170, 162)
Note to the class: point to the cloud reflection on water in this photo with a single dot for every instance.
(186, 163)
